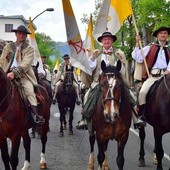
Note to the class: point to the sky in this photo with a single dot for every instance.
(50, 23)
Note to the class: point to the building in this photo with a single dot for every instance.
(7, 23)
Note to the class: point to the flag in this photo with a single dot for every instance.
(78, 56)
(56, 65)
(89, 41)
(77, 71)
(32, 41)
(111, 16)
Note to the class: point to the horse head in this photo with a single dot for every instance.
(110, 82)
(68, 78)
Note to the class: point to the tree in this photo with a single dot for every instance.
(47, 47)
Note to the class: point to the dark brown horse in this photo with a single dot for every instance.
(66, 98)
(15, 122)
(111, 118)
(157, 114)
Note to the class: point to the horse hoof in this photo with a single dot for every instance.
(61, 134)
(141, 162)
(70, 133)
(32, 135)
(43, 165)
(64, 127)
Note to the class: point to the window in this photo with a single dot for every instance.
(8, 27)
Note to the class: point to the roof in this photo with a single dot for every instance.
(17, 17)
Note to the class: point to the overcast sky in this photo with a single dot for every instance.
(50, 23)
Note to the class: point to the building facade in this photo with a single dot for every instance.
(7, 23)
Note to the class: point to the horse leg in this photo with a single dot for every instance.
(101, 154)
(158, 148)
(91, 157)
(121, 145)
(62, 114)
(105, 163)
(141, 160)
(27, 147)
(32, 134)
(43, 163)
(14, 151)
(5, 154)
(71, 120)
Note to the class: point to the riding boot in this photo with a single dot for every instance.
(37, 118)
(82, 124)
(138, 122)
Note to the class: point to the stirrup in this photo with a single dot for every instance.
(140, 124)
(81, 125)
(39, 119)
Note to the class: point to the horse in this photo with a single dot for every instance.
(111, 117)
(157, 114)
(15, 122)
(44, 83)
(66, 98)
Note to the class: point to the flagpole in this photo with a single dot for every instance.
(140, 45)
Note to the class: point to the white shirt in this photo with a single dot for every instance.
(104, 57)
(160, 62)
(15, 63)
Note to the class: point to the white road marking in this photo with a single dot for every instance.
(137, 134)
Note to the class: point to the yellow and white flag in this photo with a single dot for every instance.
(32, 41)
(56, 65)
(111, 16)
(77, 52)
(89, 41)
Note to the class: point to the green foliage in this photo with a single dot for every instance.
(47, 47)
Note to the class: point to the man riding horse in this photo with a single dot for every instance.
(157, 57)
(110, 57)
(60, 77)
(16, 61)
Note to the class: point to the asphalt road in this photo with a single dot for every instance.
(71, 151)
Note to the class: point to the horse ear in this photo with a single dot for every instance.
(119, 65)
(37, 65)
(103, 66)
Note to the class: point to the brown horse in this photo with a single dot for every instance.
(111, 118)
(157, 114)
(15, 122)
(66, 98)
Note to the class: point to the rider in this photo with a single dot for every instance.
(60, 78)
(46, 69)
(157, 57)
(16, 61)
(110, 56)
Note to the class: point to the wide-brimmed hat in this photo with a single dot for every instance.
(155, 33)
(21, 28)
(66, 56)
(107, 34)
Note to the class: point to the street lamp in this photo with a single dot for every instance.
(48, 9)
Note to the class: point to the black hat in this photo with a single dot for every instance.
(107, 34)
(43, 56)
(155, 33)
(21, 28)
(66, 56)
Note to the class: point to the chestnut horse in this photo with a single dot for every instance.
(66, 98)
(157, 114)
(111, 118)
(15, 122)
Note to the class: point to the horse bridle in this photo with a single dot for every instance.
(106, 98)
